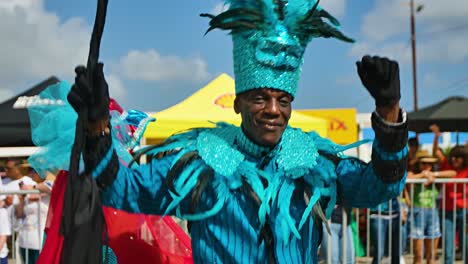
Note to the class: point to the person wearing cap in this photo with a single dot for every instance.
(425, 224)
(259, 192)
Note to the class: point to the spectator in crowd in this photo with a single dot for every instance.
(413, 147)
(5, 231)
(32, 210)
(382, 217)
(2, 174)
(5, 228)
(425, 227)
(456, 198)
(14, 176)
(337, 236)
(11, 182)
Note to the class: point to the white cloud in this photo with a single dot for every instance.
(150, 65)
(36, 44)
(336, 8)
(219, 8)
(386, 30)
(116, 87)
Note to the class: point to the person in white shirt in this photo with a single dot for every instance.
(32, 210)
(25, 212)
(5, 228)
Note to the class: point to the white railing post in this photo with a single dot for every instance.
(344, 230)
(454, 219)
(368, 235)
(464, 223)
(329, 250)
(443, 222)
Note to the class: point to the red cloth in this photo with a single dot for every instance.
(134, 238)
(450, 194)
(50, 253)
(138, 238)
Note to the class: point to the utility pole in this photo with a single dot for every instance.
(413, 48)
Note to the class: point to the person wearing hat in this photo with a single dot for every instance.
(455, 202)
(259, 192)
(425, 226)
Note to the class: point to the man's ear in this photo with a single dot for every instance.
(236, 105)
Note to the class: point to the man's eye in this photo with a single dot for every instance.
(285, 102)
(258, 99)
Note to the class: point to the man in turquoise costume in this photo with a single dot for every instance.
(257, 193)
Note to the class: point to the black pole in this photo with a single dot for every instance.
(413, 48)
(83, 225)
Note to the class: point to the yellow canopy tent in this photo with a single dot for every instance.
(213, 103)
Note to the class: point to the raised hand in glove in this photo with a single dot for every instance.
(381, 77)
(94, 96)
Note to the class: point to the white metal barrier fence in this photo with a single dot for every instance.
(458, 221)
(16, 225)
(436, 211)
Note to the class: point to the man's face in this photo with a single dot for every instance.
(265, 114)
(11, 170)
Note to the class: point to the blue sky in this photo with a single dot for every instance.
(155, 53)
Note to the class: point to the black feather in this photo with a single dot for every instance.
(332, 19)
(280, 4)
(311, 12)
(207, 15)
(237, 13)
(144, 151)
(327, 31)
(205, 177)
(237, 25)
(178, 167)
(235, 19)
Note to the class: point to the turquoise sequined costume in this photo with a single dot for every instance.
(226, 222)
(247, 203)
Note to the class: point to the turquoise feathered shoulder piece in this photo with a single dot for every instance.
(231, 157)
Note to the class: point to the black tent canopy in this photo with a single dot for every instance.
(450, 114)
(14, 123)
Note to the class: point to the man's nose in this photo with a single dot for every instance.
(272, 107)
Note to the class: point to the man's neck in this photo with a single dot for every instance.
(246, 144)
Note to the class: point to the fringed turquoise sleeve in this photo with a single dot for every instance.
(369, 184)
(361, 187)
(140, 190)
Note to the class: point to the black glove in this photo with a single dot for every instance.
(94, 96)
(381, 77)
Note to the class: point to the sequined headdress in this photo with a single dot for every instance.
(270, 38)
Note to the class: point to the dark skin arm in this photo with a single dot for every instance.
(96, 128)
(389, 113)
